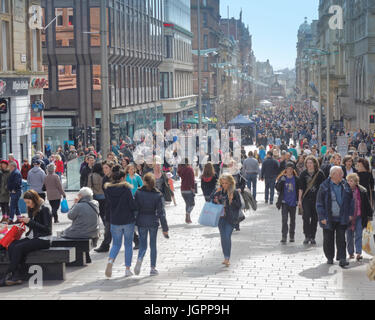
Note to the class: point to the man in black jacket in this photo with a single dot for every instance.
(86, 171)
(14, 188)
(270, 171)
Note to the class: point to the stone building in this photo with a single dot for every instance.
(21, 79)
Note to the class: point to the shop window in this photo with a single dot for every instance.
(67, 77)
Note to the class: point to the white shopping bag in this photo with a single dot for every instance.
(368, 241)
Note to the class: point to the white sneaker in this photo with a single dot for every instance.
(108, 270)
(128, 273)
(137, 269)
(154, 272)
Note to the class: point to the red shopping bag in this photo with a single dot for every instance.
(13, 234)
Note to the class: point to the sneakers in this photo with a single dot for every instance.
(283, 241)
(330, 261)
(154, 272)
(306, 241)
(313, 242)
(108, 270)
(128, 273)
(137, 269)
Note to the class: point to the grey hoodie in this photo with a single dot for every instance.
(35, 179)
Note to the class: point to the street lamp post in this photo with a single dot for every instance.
(105, 135)
(199, 65)
(328, 126)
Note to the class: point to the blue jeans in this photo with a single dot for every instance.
(270, 188)
(143, 234)
(14, 209)
(226, 231)
(252, 180)
(118, 232)
(355, 236)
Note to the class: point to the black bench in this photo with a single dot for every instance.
(82, 246)
(52, 261)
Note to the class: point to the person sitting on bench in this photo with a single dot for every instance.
(38, 237)
(85, 218)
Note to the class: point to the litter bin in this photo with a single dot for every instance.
(21, 203)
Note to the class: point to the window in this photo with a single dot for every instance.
(67, 77)
(205, 20)
(205, 64)
(5, 59)
(4, 6)
(96, 77)
(64, 27)
(205, 41)
(35, 50)
(204, 3)
(164, 85)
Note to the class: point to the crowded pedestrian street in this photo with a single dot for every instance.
(190, 266)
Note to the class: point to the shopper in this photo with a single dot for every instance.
(334, 207)
(35, 179)
(186, 174)
(362, 214)
(269, 173)
(133, 178)
(39, 222)
(288, 185)
(310, 181)
(208, 180)
(54, 190)
(4, 192)
(122, 218)
(228, 196)
(251, 171)
(151, 211)
(366, 178)
(14, 188)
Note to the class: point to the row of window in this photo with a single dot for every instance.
(175, 85)
(129, 28)
(177, 48)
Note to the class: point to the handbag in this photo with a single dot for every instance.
(368, 243)
(64, 206)
(14, 234)
(211, 214)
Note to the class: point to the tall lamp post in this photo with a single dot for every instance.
(105, 126)
(199, 65)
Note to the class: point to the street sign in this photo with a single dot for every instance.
(342, 145)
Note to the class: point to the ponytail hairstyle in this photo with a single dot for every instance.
(117, 174)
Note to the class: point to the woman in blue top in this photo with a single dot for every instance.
(133, 178)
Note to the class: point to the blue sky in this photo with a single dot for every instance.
(274, 25)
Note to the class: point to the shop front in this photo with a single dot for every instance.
(177, 110)
(58, 132)
(15, 113)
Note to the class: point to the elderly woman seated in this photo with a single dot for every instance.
(85, 218)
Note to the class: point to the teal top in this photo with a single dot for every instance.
(136, 182)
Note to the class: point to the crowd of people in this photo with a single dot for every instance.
(129, 193)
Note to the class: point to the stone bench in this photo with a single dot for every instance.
(82, 247)
(53, 261)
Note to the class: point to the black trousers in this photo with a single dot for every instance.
(310, 218)
(4, 208)
(19, 249)
(288, 212)
(102, 210)
(329, 242)
(55, 205)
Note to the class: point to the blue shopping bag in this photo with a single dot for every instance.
(64, 206)
(211, 214)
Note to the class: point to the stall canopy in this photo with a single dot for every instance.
(240, 120)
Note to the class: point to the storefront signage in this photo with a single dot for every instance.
(36, 122)
(14, 87)
(58, 122)
(38, 83)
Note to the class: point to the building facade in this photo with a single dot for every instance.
(176, 71)
(210, 36)
(71, 55)
(21, 79)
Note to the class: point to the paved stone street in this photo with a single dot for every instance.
(190, 266)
